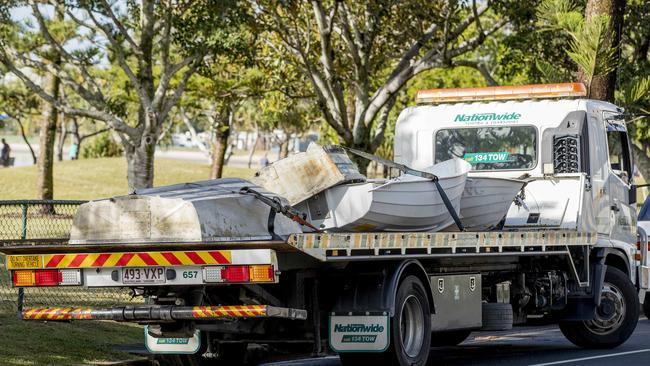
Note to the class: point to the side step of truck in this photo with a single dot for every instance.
(164, 313)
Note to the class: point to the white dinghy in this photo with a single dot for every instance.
(486, 200)
(406, 203)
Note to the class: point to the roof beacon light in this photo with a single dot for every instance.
(535, 91)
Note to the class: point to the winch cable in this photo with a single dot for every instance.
(277, 206)
(417, 173)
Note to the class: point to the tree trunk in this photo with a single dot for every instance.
(251, 153)
(63, 133)
(140, 165)
(26, 140)
(362, 163)
(194, 136)
(222, 134)
(45, 180)
(284, 148)
(602, 86)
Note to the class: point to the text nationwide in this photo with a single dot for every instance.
(358, 328)
(477, 117)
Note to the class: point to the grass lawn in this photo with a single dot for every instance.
(52, 343)
(100, 178)
(59, 344)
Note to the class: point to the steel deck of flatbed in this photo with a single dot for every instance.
(336, 246)
(350, 246)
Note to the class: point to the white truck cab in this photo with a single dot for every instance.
(575, 154)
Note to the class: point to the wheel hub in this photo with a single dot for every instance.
(411, 324)
(610, 313)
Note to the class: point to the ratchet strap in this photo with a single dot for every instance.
(277, 207)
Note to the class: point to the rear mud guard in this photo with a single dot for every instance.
(373, 287)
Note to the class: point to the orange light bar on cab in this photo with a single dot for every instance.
(535, 91)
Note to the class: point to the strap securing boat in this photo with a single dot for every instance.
(277, 207)
(417, 173)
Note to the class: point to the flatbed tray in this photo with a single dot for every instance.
(65, 247)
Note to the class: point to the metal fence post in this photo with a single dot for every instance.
(23, 236)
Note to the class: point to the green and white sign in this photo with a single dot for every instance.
(486, 157)
(172, 345)
(367, 333)
(488, 118)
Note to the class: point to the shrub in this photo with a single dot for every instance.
(101, 146)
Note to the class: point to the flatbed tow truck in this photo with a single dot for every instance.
(569, 252)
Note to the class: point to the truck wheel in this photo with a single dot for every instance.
(615, 318)
(410, 330)
(646, 305)
(450, 338)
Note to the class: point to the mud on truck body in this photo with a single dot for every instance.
(214, 281)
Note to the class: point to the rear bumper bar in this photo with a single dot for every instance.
(142, 313)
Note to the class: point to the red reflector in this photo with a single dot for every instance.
(638, 245)
(235, 274)
(47, 278)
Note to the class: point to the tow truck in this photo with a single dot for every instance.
(568, 250)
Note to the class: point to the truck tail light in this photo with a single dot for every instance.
(23, 278)
(236, 274)
(46, 277)
(262, 273)
(239, 274)
(638, 245)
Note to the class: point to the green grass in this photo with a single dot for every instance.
(59, 344)
(100, 178)
(52, 343)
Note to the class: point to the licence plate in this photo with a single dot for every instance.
(138, 275)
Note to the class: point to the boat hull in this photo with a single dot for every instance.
(486, 200)
(407, 203)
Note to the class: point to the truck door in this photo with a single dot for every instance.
(622, 204)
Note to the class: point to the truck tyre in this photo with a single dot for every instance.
(646, 305)
(614, 320)
(449, 338)
(497, 316)
(410, 330)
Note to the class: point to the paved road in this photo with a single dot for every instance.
(530, 346)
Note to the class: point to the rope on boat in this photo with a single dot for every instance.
(418, 173)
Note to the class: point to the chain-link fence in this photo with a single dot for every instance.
(45, 222)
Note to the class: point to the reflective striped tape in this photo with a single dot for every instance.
(235, 311)
(57, 314)
(141, 259)
(133, 259)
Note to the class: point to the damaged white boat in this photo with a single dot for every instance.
(406, 203)
(486, 200)
(207, 211)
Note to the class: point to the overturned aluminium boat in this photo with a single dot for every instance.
(207, 211)
(406, 203)
(486, 200)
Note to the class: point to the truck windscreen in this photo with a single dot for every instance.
(489, 148)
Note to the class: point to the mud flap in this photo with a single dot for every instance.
(175, 346)
(359, 333)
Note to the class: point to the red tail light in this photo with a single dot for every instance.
(236, 274)
(47, 278)
(638, 245)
